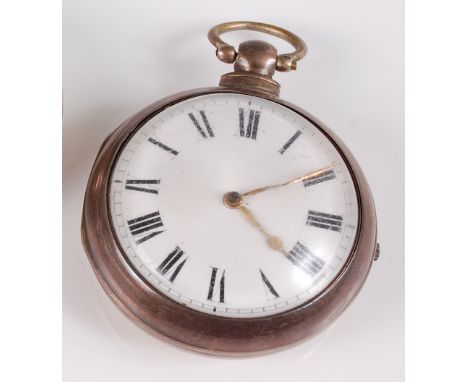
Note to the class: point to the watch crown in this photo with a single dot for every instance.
(256, 61)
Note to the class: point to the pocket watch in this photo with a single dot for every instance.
(226, 219)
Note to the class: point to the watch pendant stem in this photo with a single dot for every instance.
(256, 61)
(254, 67)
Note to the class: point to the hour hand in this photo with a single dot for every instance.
(274, 242)
(235, 200)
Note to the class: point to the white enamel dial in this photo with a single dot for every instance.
(281, 247)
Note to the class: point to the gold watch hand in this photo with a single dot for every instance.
(299, 179)
(273, 242)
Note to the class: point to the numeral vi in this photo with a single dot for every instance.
(216, 288)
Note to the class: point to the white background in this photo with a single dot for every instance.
(119, 56)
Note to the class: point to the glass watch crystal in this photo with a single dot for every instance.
(233, 205)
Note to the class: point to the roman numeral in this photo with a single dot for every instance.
(270, 291)
(323, 177)
(145, 227)
(216, 289)
(163, 146)
(303, 258)
(252, 124)
(147, 185)
(172, 264)
(290, 142)
(325, 221)
(207, 131)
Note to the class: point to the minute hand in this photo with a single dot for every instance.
(295, 180)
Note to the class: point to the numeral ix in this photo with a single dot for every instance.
(145, 227)
(252, 124)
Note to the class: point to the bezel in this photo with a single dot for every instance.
(197, 330)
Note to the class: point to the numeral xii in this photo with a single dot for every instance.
(249, 131)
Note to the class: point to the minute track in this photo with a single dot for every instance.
(219, 243)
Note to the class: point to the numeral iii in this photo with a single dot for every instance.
(252, 124)
(145, 227)
(325, 221)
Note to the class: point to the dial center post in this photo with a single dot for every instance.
(233, 199)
